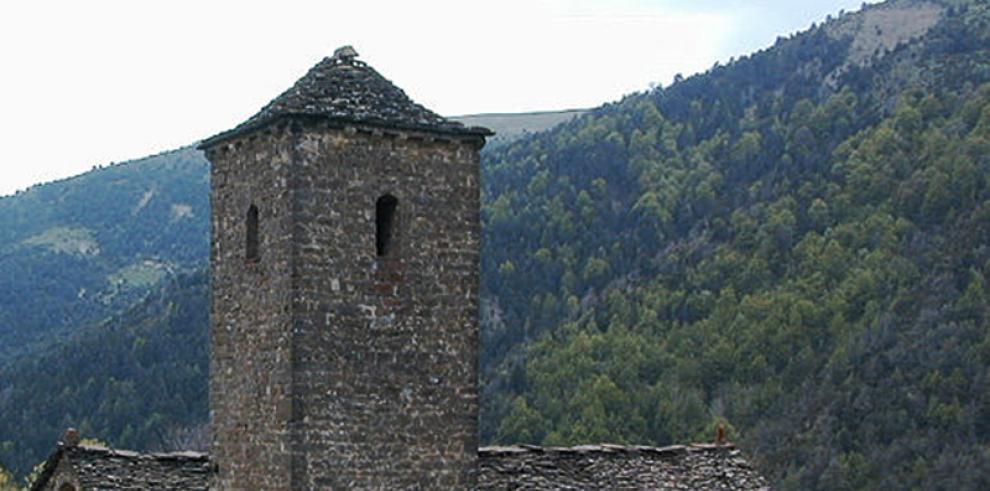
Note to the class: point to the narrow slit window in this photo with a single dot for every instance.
(385, 224)
(252, 252)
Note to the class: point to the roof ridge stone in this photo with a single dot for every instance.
(603, 448)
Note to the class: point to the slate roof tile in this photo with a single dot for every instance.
(104, 468)
(677, 467)
(346, 90)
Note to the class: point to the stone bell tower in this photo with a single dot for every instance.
(345, 264)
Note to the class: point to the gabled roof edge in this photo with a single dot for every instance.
(48, 468)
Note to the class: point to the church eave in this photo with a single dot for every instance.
(453, 130)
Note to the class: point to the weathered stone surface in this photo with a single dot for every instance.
(251, 360)
(386, 346)
(698, 467)
(92, 468)
(334, 366)
(347, 91)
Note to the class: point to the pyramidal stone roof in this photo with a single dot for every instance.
(345, 90)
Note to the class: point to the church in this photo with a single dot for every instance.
(344, 324)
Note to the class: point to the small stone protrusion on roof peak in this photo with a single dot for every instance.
(71, 437)
(345, 55)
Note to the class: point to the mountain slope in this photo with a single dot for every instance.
(512, 126)
(78, 250)
(794, 245)
(137, 380)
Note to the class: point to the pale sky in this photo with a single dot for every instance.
(92, 82)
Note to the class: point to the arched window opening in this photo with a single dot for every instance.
(252, 252)
(385, 224)
(66, 487)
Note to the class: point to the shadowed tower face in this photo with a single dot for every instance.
(345, 290)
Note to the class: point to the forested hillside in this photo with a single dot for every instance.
(138, 380)
(75, 251)
(795, 244)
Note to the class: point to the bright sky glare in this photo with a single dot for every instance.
(87, 83)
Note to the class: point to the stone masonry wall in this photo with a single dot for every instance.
(250, 371)
(385, 360)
